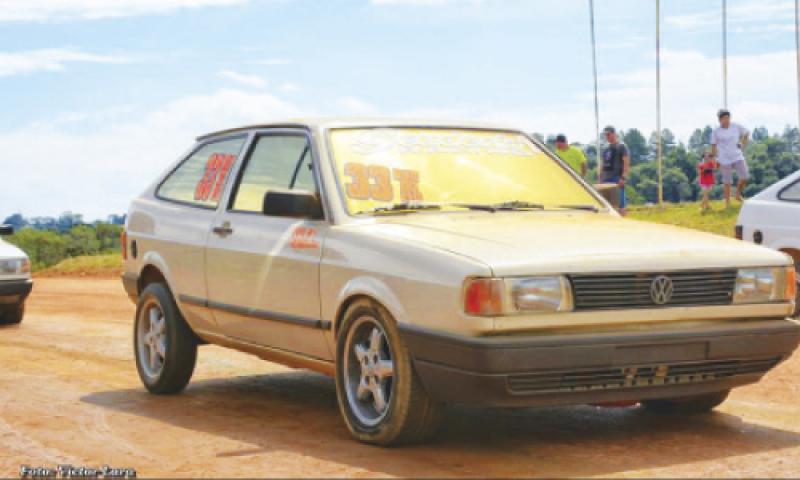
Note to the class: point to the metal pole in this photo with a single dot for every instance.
(797, 48)
(596, 101)
(659, 148)
(725, 53)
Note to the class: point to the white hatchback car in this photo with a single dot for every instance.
(15, 280)
(424, 263)
(772, 218)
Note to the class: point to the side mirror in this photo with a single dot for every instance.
(292, 203)
(6, 230)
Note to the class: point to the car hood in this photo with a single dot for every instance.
(520, 243)
(10, 251)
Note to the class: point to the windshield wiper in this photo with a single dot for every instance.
(486, 207)
(406, 207)
(497, 207)
(588, 208)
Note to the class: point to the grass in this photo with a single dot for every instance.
(95, 265)
(718, 220)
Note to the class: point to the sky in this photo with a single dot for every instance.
(99, 97)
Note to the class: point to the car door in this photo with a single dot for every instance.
(176, 228)
(262, 270)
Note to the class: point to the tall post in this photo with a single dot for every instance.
(659, 147)
(596, 101)
(725, 53)
(797, 49)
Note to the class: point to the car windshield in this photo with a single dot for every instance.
(396, 169)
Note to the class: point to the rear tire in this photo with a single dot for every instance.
(164, 346)
(12, 315)
(693, 404)
(372, 362)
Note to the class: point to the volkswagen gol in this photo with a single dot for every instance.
(423, 264)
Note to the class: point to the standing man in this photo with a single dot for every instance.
(616, 163)
(573, 156)
(727, 143)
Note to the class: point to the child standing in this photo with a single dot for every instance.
(706, 177)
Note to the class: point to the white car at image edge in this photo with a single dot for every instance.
(772, 218)
(15, 280)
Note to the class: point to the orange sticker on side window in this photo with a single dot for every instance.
(374, 182)
(304, 237)
(210, 186)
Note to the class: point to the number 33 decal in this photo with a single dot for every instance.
(374, 182)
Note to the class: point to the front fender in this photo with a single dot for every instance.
(375, 289)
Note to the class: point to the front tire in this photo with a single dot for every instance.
(12, 315)
(693, 404)
(164, 346)
(380, 396)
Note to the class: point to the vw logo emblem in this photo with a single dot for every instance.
(661, 290)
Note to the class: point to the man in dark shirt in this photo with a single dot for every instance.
(615, 164)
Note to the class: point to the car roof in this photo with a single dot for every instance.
(359, 122)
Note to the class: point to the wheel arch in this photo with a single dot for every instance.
(154, 269)
(372, 290)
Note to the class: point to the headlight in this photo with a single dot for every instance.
(765, 285)
(14, 266)
(509, 296)
(540, 294)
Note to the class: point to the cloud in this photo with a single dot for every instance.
(50, 60)
(425, 3)
(355, 106)
(60, 10)
(244, 79)
(272, 62)
(747, 12)
(289, 87)
(98, 172)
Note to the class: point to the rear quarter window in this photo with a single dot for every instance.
(200, 178)
(791, 193)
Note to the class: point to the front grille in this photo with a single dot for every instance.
(633, 290)
(636, 376)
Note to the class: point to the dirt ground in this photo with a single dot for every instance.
(69, 394)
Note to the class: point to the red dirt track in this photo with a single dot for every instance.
(69, 393)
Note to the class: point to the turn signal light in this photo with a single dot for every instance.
(791, 284)
(483, 296)
(739, 231)
(123, 242)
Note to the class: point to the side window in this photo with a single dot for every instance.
(276, 162)
(200, 179)
(791, 193)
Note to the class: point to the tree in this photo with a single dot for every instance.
(82, 240)
(44, 248)
(637, 146)
(760, 134)
(676, 185)
(16, 220)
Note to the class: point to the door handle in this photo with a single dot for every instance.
(223, 230)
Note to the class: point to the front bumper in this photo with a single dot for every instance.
(15, 291)
(598, 367)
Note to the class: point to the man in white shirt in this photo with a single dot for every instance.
(727, 144)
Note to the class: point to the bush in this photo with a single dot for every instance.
(44, 247)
